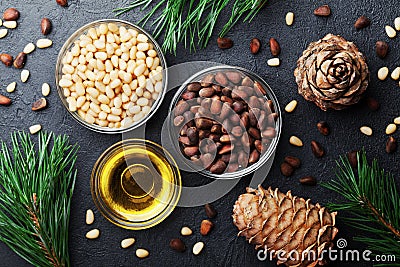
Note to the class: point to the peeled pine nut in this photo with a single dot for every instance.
(45, 89)
(383, 73)
(89, 217)
(390, 31)
(294, 140)
(366, 130)
(29, 48)
(186, 231)
(24, 75)
(3, 33)
(12, 24)
(391, 128)
(93, 234)
(44, 43)
(291, 106)
(142, 253)
(289, 18)
(197, 248)
(127, 242)
(273, 62)
(35, 128)
(11, 87)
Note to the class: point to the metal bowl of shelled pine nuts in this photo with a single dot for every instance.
(111, 76)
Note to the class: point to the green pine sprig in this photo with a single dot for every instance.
(36, 186)
(371, 197)
(191, 22)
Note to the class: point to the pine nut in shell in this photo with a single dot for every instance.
(142, 253)
(93, 234)
(11, 87)
(294, 140)
(127, 242)
(197, 248)
(391, 128)
(89, 217)
(366, 130)
(291, 106)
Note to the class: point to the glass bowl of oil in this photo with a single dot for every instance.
(136, 184)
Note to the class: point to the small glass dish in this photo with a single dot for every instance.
(136, 184)
(70, 43)
(176, 147)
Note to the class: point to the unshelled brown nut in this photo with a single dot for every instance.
(62, 3)
(6, 59)
(11, 14)
(391, 145)
(255, 45)
(274, 47)
(19, 61)
(352, 156)
(382, 49)
(372, 103)
(317, 149)
(210, 211)
(286, 169)
(224, 42)
(293, 161)
(362, 22)
(4, 101)
(46, 26)
(40, 104)
(206, 227)
(308, 180)
(322, 11)
(323, 127)
(177, 244)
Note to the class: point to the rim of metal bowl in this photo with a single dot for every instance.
(94, 127)
(107, 212)
(278, 124)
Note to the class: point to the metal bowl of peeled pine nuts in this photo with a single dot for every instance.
(111, 76)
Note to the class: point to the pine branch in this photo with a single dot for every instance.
(36, 187)
(184, 21)
(371, 197)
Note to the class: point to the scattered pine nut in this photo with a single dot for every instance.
(44, 43)
(1, 22)
(11, 87)
(24, 75)
(291, 106)
(45, 89)
(397, 120)
(289, 18)
(93, 234)
(383, 73)
(12, 24)
(391, 128)
(29, 48)
(126, 243)
(397, 23)
(273, 62)
(366, 130)
(89, 217)
(395, 74)
(198, 247)
(186, 231)
(142, 253)
(390, 31)
(3, 33)
(294, 140)
(35, 128)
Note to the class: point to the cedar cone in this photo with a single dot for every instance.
(332, 73)
(282, 223)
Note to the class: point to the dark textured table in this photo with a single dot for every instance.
(222, 248)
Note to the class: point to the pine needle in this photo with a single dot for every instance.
(36, 187)
(191, 22)
(371, 197)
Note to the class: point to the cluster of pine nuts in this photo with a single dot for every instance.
(111, 76)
